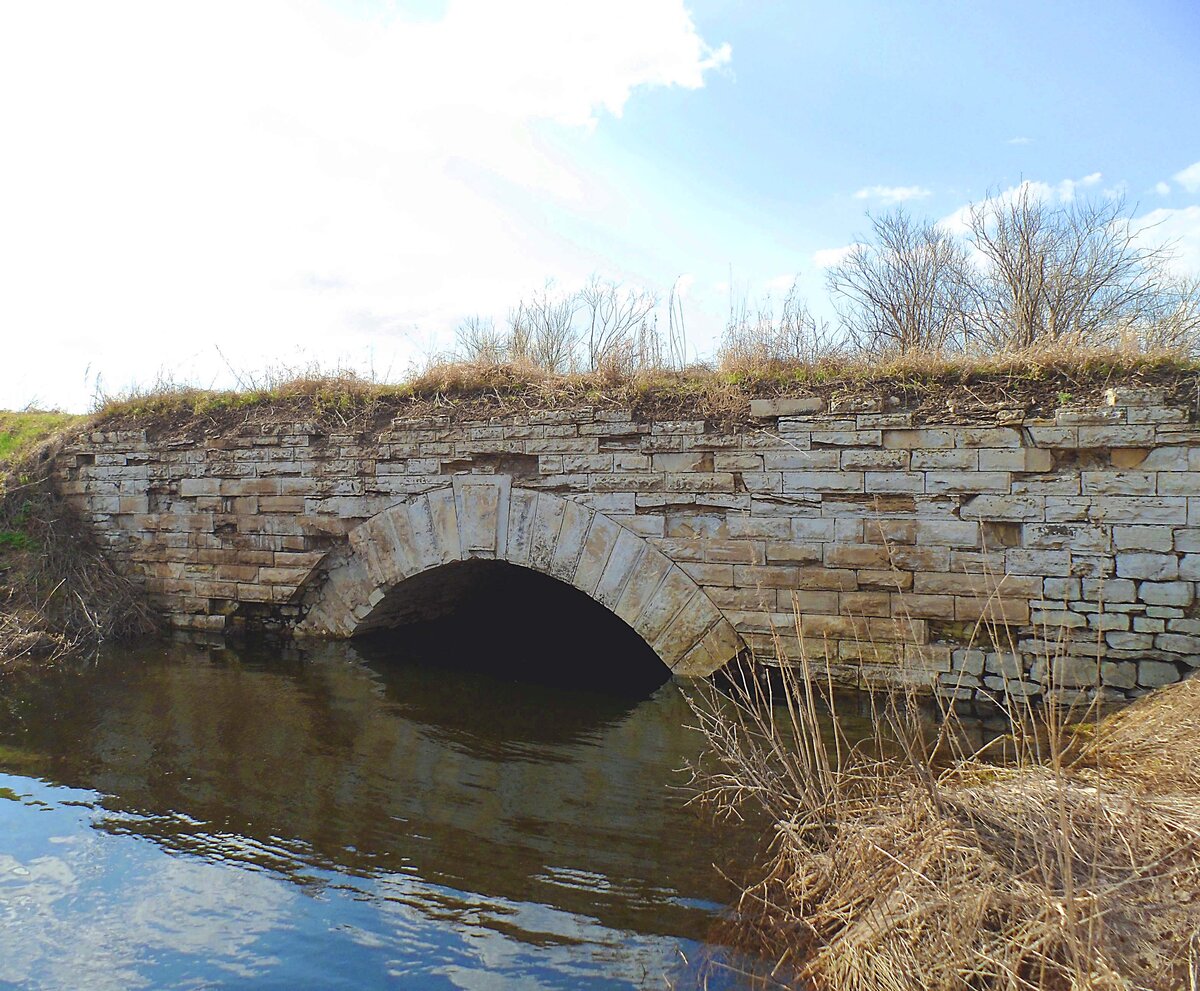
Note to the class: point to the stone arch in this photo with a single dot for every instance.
(485, 517)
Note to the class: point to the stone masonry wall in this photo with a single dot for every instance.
(1018, 556)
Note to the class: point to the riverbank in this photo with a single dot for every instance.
(1068, 860)
(59, 596)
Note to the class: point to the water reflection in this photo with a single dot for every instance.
(220, 817)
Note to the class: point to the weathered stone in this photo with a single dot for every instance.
(1155, 567)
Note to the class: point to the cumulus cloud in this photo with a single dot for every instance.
(1189, 178)
(892, 194)
(1162, 188)
(1064, 191)
(828, 257)
(285, 178)
(1180, 231)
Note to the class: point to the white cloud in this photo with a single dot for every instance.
(1180, 229)
(279, 178)
(892, 194)
(1060, 192)
(1019, 141)
(1189, 178)
(1162, 188)
(828, 257)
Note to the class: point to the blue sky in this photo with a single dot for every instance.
(194, 186)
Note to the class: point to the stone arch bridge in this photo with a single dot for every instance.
(999, 553)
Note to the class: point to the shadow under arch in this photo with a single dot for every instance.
(362, 586)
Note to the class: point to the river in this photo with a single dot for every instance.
(189, 816)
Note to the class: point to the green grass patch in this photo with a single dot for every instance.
(21, 432)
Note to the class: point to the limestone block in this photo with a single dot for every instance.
(1166, 593)
(601, 539)
(571, 537)
(192, 487)
(1143, 538)
(822, 481)
(894, 481)
(1075, 672)
(918, 438)
(1179, 483)
(642, 586)
(921, 606)
(947, 533)
(802, 460)
(1053, 437)
(791, 551)
(1006, 612)
(1020, 459)
(754, 576)
(866, 460)
(695, 619)
(1177, 643)
(989, 437)
(1155, 674)
(1116, 436)
(1119, 482)
(1005, 507)
(1151, 566)
(1106, 621)
(426, 550)
(445, 522)
(672, 595)
(625, 555)
(479, 509)
(1147, 509)
(546, 524)
(712, 651)
(846, 438)
(765, 408)
(697, 481)
(1140, 396)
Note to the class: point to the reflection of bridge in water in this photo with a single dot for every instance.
(458, 781)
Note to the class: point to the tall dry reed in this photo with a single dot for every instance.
(911, 860)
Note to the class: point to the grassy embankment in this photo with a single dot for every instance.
(1029, 383)
(58, 595)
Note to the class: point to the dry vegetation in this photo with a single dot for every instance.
(58, 595)
(1067, 859)
(949, 388)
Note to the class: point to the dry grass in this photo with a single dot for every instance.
(907, 863)
(59, 596)
(954, 387)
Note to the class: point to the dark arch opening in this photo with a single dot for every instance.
(512, 623)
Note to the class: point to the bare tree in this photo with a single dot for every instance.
(1171, 320)
(903, 289)
(612, 315)
(542, 330)
(477, 339)
(1078, 271)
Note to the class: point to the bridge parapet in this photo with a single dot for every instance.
(1006, 556)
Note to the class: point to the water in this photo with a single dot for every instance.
(191, 817)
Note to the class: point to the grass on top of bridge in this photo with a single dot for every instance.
(1036, 380)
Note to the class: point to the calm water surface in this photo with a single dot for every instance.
(191, 817)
